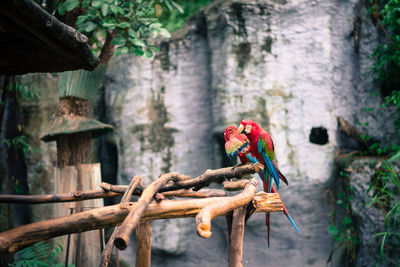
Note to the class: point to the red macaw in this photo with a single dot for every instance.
(239, 145)
(262, 147)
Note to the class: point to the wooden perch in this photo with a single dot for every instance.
(67, 197)
(110, 216)
(234, 185)
(209, 212)
(124, 232)
(217, 176)
(202, 193)
(106, 255)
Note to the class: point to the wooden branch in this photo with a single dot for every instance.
(106, 255)
(236, 234)
(55, 198)
(209, 212)
(202, 193)
(110, 216)
(143, 240)
(234, 185)
(217, 176)
(124, 232)
(107, 51)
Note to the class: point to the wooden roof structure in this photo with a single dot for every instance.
(32, 40)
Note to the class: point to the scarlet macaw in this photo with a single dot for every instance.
(262, 147)
(239, 145)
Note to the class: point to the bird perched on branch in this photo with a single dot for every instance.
(262, 148)
(237, 144)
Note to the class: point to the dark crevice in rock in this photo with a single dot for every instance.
(319, 135)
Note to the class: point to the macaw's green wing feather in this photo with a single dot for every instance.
(267, 155)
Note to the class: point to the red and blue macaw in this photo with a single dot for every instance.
(237, 144)
(262, 148)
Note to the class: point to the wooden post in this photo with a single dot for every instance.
(85, 246)
(143, 242)
(236, 238)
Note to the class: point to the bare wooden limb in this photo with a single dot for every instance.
(110, 216)
(217, 176)
(234, 185)
(106, 254)
(121, 188)
(143, 239)
(124, 232)
(209, 212)
(354, 133)
(195, 194)
(55, 198)
(236, 234)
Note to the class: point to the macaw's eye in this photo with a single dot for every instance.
(247, 129)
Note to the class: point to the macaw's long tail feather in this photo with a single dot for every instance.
(272, 171)
(292, 222)
(268, 223)
(281, 176)
(285, 211)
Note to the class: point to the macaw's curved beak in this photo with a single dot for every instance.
(241, 129)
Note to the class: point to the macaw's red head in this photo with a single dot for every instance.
(229, 131)
(249, 127)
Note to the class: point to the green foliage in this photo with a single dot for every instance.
(132, 23)
(179, 11)
(386, 66)
(39, 254)
(23, 91)
(344, 231)
(18, 142)
(386, 196)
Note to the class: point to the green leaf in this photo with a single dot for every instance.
(123, 25)
(96, 4)
(164, 32)
(155, 25)
(109, 25)
(138, 52)
(121, 50)
(113, 9)
(138, 42)
(148, 53)
(89, 26)
(347, 220)
(81, 19)
(119, 40)
(71, 4)
(333, 230)
(104, 9)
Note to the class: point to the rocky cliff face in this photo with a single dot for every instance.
(291, 66)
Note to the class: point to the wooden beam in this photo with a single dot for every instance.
(14, 239)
